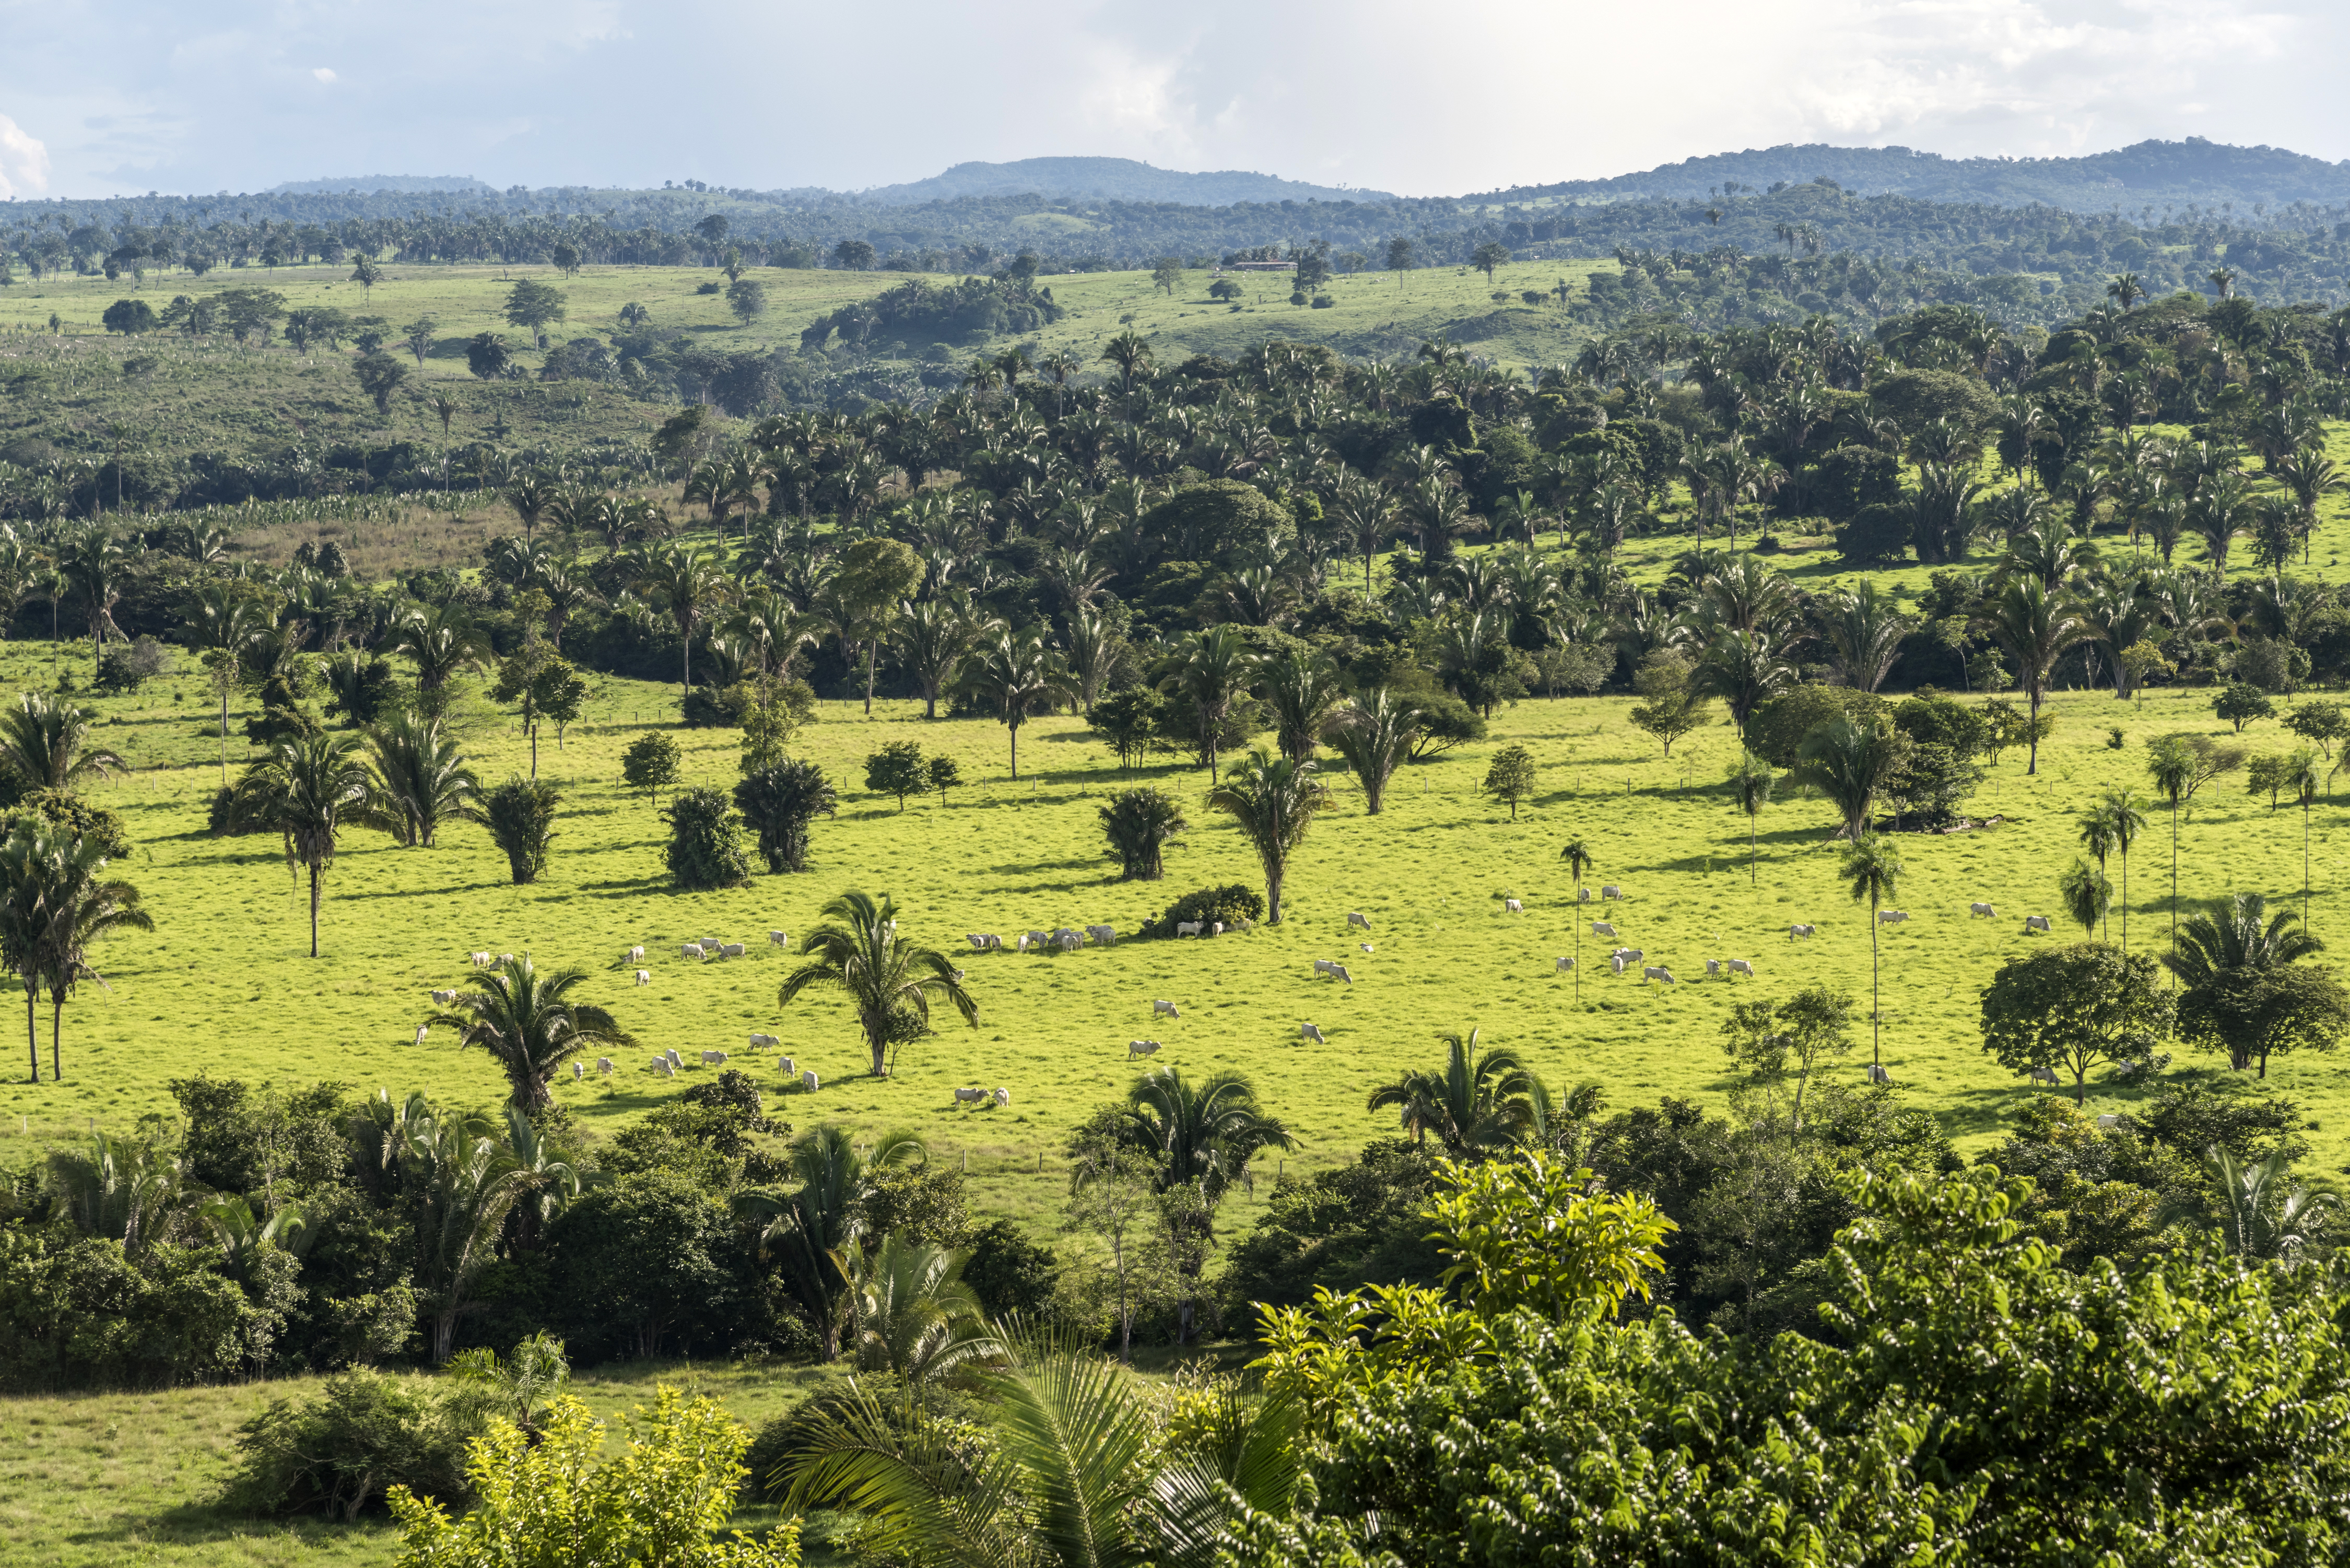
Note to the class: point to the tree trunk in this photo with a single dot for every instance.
(2033, 766)
(685, 663)
(1016, 753)
(872, 649)
(32, 1030)
(223, 735)
(1272, 874)
(1875, 996)
(534, 749)
(56, 1027)
(314, 908)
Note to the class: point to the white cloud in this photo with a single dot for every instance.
(24, 162)
(323, 73)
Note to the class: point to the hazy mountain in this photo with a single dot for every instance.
(1112, 178)
(2148, 173)
(368, 184)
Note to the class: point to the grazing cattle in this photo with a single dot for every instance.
(1714, 969)
(578, 1072)
(1355, 917)
(443, 998)
(1031, 941)
(603, 1066)
(1217, 929)
(644, 977)
(690, 950)
(1631, 955)
(2106, 1123)
(1365, 946)
(763, 1041)
(2035, 922)
(1307, 1031)
(1982, 911)
(1802, 931)
(2043, 1075)
(1187, 927)
(1513, 907)
(660, 1065)
(1609, 891)
(1582, 895)
(1877, 1074)
(1070, 941)
(1141, 1048)
(1244, 925)
(636, 955)
(808, 1080)
(1603, 927)
(505, 958)
(1321, 966)
(1339, 971)
(969, 1097)
(1741, 966)
(710, 943)
(788, 1068)
(421, 1030)
(733, 950)
(1564, 965)
(779, 938)
(674, 1059)
(1163, 1010)
(1003, 1096)
(1657, 971)
(480, 961)
(1103, 936)
(1891, 916)
(1616, 962)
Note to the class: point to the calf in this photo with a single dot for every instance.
(1164, 1009)
(2106, 1124)
(1141, 1048)
(1307, 1031)
(1069, 941)
(2035, 923)
(1982, 911)
(1355, 917)
(1217, 929)
(1802, 931)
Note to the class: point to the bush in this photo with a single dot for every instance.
(706, 708)
(226, 818)
(520, 815)
(897, 769)
(1446, 722)
(1878, 532)
(779, 802)
(1139, 823)
(705, 849)
(128, 669)
(1009, 1273)
(1208, 904)
(73, 814)
(365, 1433)
(2239, 703)
(650, 763)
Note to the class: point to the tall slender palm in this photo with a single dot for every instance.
(25, 870)
(45, 743)
(889, 982)
(1478, 1100)
(82, 905)
(530, 1023)
(1273, 800)
(2037, 624)
(1375, 736)
(95, 563)
(1872, 869)
(812, 1229)
(2125, 819)
(2173, 767)
(1015, 676)
(1579, 862)
(308, 788)
(685, 583)
(2097, 834)
(2304, 778)
(221, 618)
(1751, 779)
(1211, 670)
(1864, 629)
(1303, 690)
(420, 778)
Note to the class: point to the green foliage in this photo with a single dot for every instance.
(2073, 1007)
(1140, 824)
(778, 804)
(2239, 703)
(520, 816)
(648, 1261)
(897, 768)
(1511, 778)
(705, 849)
(364, 1434)
(1231, 905)
(1669, 709)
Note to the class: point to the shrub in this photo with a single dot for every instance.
(1877, 533)
(520, 815)
(779, 802)
(1139, 823)
(128, 669)
(73, 814)
(1009, 1273)
(706, 708)
(897, 769)
(705, 849)
(1208, 904)
(226, 819)
(944, 776)
(650, 763)
(363, 1434)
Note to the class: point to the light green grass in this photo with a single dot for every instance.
(224, 985)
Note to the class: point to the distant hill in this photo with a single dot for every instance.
(1115, 180)
(2150, 173)
(368, 184)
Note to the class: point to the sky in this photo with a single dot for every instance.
(1425, 99)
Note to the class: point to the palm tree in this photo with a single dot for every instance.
(1865, 629)
(814, 1229)
(440, 642)
(2087, 895)
(94, 562)
(307, 788)
(2036, 624)
(889, 983)
(1273, 800)
(1579, 862)
(530, 1023)
(82, 905)
(1743, 669)
(2122, 821)
(1852, 762)
(1376, 737)
(1212, 669)
(520, 816)
(913, 1316)
(1094, 645)
(1872, 869)
(2256, 1225)
(1476, 1101)
(1304, 692)
(1203, 1135)
(1131, 354)
(682, 581)
(42, 741)
(1751, 779)
(25, 870)
(1138, 824)
(419, 778)
(221, 620)
(2174, 767)
(932, 638)
(2300, 775)
(1016, 677)
(544, 1183)
(2227, 953)
(466, 1184)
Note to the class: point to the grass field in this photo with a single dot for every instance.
(224, 986)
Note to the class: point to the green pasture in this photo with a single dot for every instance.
(224, 987)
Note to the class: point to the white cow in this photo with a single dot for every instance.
(1714, 969)
(1033, 940)
(1339, 971)
(1741, 966)
(1891, 916)
(2043, 1075)
(1141, 1048)
(1564, 965)
(1877, 1074)
(660, 1065)
(1307, 1031)
(983, 941)
(636, 954)
(1616, 962)
(1069, 941)
(780, 938)
(1217, 929)
(2035, 922)
(1603, 927)
(1982, 911)
(421, 1030)
(1003, 1096)
(1321, 966)
(603, 1066)
(1802, 931)
(578, 1072)
(644, 977)
(1365, 946)
(1609, 891)
(1103, 936)
(807, 1079)
(1187, 927)
(674, 1059)
(505, 958)
(1631, 955)
(1244, 925)
(1355, 917)
(970, 1097)
(2106, 1124)
(1657, 971)
(789, 1069)
(1513, 907)
(1163, 1010)
(733, 949)
(1582, 895)
(763, 1041)
(690, 950)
